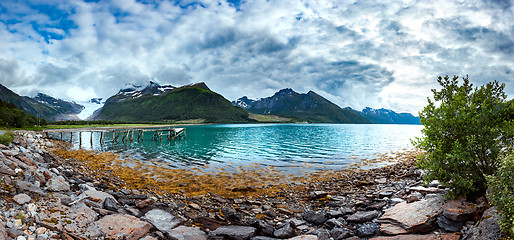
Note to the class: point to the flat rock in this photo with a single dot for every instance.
(97, 194)
(22, 198)
(29, 187)
(162, 220)
(122, 226)
(413, 217)
(58, 184)
(487, 228)
(317, 218)
(4, 169)
(234, 232)
(305, 237)
(458, 210)
(424, 189)
(187, 233)
(447, 236)
(363, 216)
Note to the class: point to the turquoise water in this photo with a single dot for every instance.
(280, 145)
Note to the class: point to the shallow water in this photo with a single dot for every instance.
(331, 146)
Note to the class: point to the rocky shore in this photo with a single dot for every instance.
(44, 196)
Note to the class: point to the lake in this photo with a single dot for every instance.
(319, 146)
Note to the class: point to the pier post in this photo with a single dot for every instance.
(71, 137)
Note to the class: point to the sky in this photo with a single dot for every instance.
(381, 54)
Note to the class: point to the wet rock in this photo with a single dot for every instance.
(458, 210)
(285, 231)
(234, 232)
(316, 218)
(122, 226)
(413, 217)
(363, 216)
(162, 220)
(386, 192)
(22, 198)
(208, 223)
(340, 233)
(296, 222)
(449, 225)
(58, 184)
(187, 233)
(368, 230)
(376, 205)
(487, 228)
(262, 227)
(111, 204)
(346, 210)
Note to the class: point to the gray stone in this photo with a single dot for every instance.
(234, 232)
(162, 220)
(316, 218)
(449, 225)
(305, 237)
(187, 233)
(322, 234)
(285, 231)
(332, 223)
(111, 204)
(30, 187)
(340, 233)
(22, 198)
(363, 216)
(487, 228)
(263, 238)
(97, 194)
(58, 184)
(413, 217)
(4, 169)
(368, 230)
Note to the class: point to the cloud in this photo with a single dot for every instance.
(373, 53)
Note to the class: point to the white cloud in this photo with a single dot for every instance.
(374, 53)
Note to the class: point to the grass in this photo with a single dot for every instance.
(269, 118)
(7, 138)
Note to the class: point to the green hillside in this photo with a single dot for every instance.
(12, 117)
(185, 103)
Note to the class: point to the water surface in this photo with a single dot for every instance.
(279, 145)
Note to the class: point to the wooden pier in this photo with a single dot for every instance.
(124, 135)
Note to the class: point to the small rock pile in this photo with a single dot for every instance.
(43, 198)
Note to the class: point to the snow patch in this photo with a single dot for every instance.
(89, 109)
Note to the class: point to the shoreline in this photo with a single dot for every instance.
(350, 205)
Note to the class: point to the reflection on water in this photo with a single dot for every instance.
(280, 145)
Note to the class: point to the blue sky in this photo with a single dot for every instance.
(355, 53)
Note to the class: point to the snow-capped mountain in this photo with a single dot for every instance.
(131, 91)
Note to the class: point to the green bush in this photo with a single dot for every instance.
(7, 138)
(465, 130)
(501, 193)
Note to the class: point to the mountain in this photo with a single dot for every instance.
(386, 116)
(309, 107)
(42, 105)
(167, 103)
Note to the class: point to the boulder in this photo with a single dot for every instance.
(30, 187)
(187, 233)
(367, 230)
(285, 231)
(316, 218)
(234, 232)
(449, 225)
(413, 217)
(162, 220)
(458, 210)
(122, 226)
(487, 228)
(363, 216)
(22, 198)
(4, 169)
(111, 204)
(58, 184)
